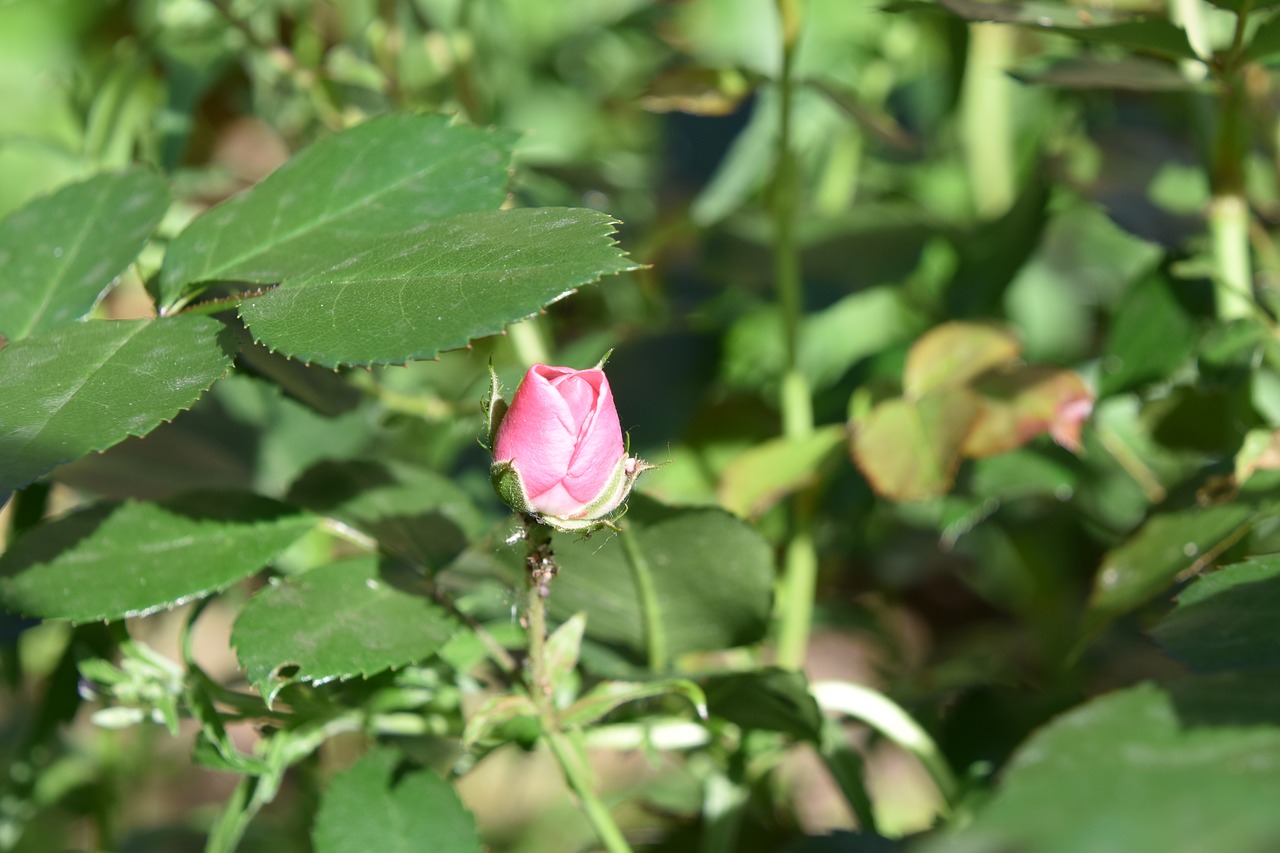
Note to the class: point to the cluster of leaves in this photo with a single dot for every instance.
(246, 502)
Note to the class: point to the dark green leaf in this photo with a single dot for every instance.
(1152, 334)
(1265, 43)
(1163, 548)
(415, 514)
(87, 386)
(334, 622)
(711, 576)
(773, 699)
(116, 560)
(409, 296)
(61, 252)
(1227, 620)
(1127, 772)
(377, 805)
(337, 198)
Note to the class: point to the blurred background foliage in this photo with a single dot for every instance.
(1049, 177)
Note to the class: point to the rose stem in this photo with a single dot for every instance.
(541, 567)
(799, 578)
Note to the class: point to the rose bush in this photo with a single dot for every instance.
(558, 451)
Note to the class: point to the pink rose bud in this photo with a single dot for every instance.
(558, 452)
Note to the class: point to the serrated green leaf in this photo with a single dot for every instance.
(610, 695)
(1164, 547)
(336, 198)
(60, 253)
(113, 560)
(409, 296)
(1227, 620)
(87, 386)
(376, 806)
(334, 622)
(1152, 335)
(709, 579)
(1129, 771)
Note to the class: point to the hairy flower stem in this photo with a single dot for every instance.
(540, 565)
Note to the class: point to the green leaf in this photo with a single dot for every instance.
(1151, 336)
(1265, 43)
(766, 473)
(411, 295)
(1227, 620)
(772, 699)
(1027, 401)
(61, 253)
(950, 355)
(709, 579)
(336, 198)
(1127, 772)
(1132, 73)
(378, 805)
(609, 695)
(415, 514)
(87, 386)
(562, 650)
(116, 560)
(1162, 549)
(495, 712)
(335, 622)
(859, 325)
(909, 449)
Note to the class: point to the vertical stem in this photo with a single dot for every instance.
(799, 576)
(987, 117)
(530, 346)
(1229, 209)
(654, 635)
(541, 566)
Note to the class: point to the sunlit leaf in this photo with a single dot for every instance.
(86, 386)
(950, 355)
(61, 253)
(411, 295)
(338, 197)
(610, 695)
(116, 560)
(765, 474)
(335, 622)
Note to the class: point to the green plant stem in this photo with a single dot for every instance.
(889, 719)
(527, 340)
(987, 119)
(655, 637)
(541, 567)
(1229, 209)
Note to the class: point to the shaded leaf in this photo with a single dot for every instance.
(378, 805)
(411, 295)
(1226, 620)
(765, 474)
(415, 514)
(772, 698)
(116, 560)
(1151, 336)
(952, 354)
(87, 386)
(336, 198)
(609, 695)
(909, 449)
(60, 253)
(711, 578)
(1161, 550)
(1124, 772)
(1133, 74)
(334, 622)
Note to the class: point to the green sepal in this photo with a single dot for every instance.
(506, 482)
(494, 407)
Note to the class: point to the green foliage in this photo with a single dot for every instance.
(948, 330)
